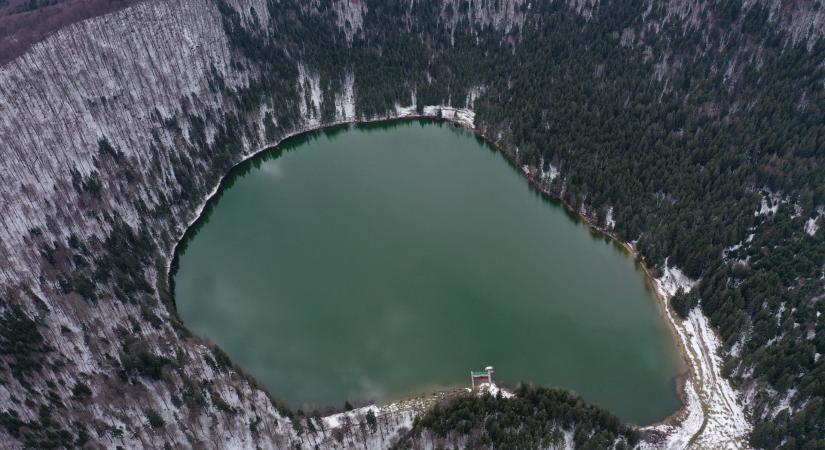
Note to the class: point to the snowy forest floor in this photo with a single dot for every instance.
(712, 416)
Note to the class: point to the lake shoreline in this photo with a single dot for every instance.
(464, 119)
(710, 414)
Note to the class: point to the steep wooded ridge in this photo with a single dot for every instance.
(694, 130)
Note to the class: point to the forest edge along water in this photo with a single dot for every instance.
(246, 167)
(281, 341)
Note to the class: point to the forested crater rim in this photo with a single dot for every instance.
(459, 119)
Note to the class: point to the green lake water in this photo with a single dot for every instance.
(368, 263)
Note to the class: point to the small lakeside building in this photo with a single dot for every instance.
(479, 377)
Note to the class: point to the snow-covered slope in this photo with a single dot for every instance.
(122, 78)
(117, 120)
(115, 77)
(98, 126)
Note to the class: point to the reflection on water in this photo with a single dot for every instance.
(372, 261)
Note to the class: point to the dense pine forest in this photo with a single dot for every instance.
(693, 130)
(683, 132)
(532, 419)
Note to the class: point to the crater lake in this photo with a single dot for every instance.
(372, 262)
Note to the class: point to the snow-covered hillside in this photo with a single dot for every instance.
(98, 123)
(115, 132)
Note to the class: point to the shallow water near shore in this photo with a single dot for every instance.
(369, 262)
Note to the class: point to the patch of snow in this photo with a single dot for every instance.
(310, 97)
(713, 415)
(608, 219)
(569, 440)
(779, 313)
(551, 173)
(738, 245)
(769, 204)
(345, 101)
(494, 390)
(472, 94)
(732, 248)
(784, 403)
(673, 279)
(811, 226)
(463, 116)
(725, 423)
(735, 349)
(547, 176)
(349, 16)
(393, 420)
(405, 111)
(337, 420)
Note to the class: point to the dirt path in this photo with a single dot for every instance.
(712, 417)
